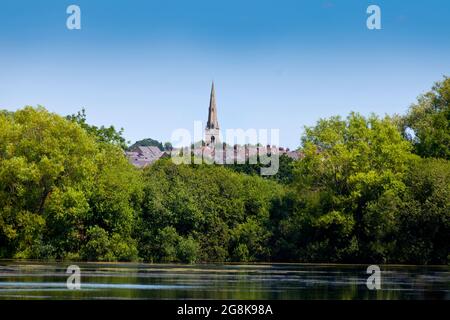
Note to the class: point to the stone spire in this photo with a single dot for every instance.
(212, 113)
(212, 131)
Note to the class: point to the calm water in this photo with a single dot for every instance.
(41, 280)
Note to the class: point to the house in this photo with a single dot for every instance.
(142, 156)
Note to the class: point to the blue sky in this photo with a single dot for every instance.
(147, 66)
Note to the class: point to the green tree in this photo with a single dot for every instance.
(188, 250)
(423, 235)
(168, 146)
(284, 175)
(215, 207)
(427, 123)
(150, 143)
(42, 157)
(348, 166)
(57, 182)
(102, 134)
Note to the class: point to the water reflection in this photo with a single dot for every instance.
(38, 280)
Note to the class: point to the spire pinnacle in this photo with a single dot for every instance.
(212, 112)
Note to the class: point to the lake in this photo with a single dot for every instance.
(47, 280)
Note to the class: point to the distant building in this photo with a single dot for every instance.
(212, 133)
(242, 153)
(212, 130)
(143, 156)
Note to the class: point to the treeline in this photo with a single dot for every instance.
(167, 146)
(368, 189)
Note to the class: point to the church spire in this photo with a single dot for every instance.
(212, 131)
(212, 113)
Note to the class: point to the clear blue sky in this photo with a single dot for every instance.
(147, 66)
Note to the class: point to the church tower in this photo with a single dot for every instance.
(212, 130)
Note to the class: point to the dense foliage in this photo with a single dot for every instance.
(63, 194)
(101, 134)
(360, 194)
(206, 213)
(367, 189)
(285, 174)
(151, 143)
(427, 123)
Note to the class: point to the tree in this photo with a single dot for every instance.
(427, 124)
(209, 210)
(424, 218)
(348, 166)
(168, 146)
(284, 175)
(61, 188)
(102, 134)
(149, 143)
(43, 157)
